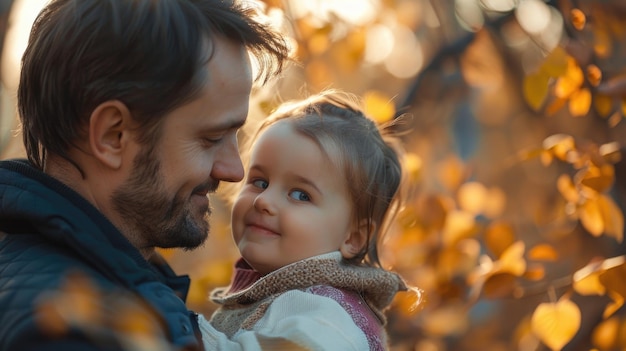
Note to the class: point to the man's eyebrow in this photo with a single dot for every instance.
(227, 125)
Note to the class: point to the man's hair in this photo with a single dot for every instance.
(148, 54)
(366, 154)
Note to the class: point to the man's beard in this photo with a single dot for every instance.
(155, 218)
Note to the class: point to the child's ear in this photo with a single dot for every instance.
(356, 241)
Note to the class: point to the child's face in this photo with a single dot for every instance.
(294, 203)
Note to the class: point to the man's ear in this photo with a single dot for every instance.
(109, 132)
(356, 241)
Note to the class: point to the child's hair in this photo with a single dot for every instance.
(368, 154)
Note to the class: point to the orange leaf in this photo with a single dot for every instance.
(499, 285)
(599, 179)
(578, 19)
(543, 252)
(613, 279)
(498, 237)
(571, 81)
(605, 334)
(580, 102)
(594, 75)
(560, 145)
(603, 104)
(556, 323)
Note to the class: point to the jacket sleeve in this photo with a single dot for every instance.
(296, 320)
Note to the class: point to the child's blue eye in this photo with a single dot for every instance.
(300, 195)
(260, 183)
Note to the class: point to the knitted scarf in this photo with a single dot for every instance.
(242, 308)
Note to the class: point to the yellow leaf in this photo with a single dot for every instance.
(499, 236)
(543, 252)
(570, 81)
(599, 179)
(555, 324)
(512, 259)
(611, 152)
(459, 225)
(611, 308)
(535, 89)
(567, 188)
(555, 64)
(613, 218)
(378, 106)
(591, 217)
(588, 284)
(613, 279)
(580, 102)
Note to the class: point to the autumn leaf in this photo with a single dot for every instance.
(605, 334)
(594, 75)
(512, 259)
(378, 106)
(555, 324)
(571, 81)
(591, 217)
(566, 187)
(555, 63)
(535, 89)
(578, 19)
(580, 102)
(543, 252)
(499, 236)
(603, 104)
(560, 145)
(472, 197)
(597, 178)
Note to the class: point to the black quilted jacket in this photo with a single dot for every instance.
(50, 236)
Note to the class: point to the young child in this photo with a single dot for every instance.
(321, 185)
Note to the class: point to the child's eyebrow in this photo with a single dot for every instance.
(306, 181)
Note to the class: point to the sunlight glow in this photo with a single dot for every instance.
(355, 12)
(533, 15)
(406, 57)
(469, 14)
(21, 19)
(379, 43)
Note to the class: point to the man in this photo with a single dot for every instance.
(129, 113)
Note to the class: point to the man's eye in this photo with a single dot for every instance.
(300, 195)
(260, 183)
(213, 141)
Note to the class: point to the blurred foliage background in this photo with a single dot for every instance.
(514, 222)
